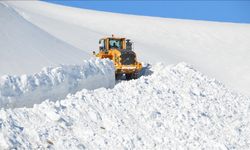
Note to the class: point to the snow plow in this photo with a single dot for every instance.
(120, 51)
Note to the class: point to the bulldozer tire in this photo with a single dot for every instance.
(132, 76)
(117, 76)
(135, 75)
(129, 76)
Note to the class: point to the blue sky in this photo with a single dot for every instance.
(221, 10)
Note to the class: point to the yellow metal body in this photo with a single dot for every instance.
(114, 54)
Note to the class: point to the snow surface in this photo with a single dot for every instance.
(55, 83)
(26, 49)
(220, 50)
(174, 108)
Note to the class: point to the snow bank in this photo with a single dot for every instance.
(175, 108)
(55, 83)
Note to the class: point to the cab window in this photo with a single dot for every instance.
(113, 43)
(101, 44)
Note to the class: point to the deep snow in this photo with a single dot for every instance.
(26, 49)
(220, 50)
(174, 108)
(55, 83)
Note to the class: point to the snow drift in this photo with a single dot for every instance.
(220, 50)
(26, 49)
(55, 83)
(174, 108)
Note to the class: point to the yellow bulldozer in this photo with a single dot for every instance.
(120, 51)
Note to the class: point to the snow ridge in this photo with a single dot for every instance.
(55, 83)
(176, 107)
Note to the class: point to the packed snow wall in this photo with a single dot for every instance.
(55, 83)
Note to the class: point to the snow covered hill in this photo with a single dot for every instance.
(220, 50)
(174, 108)
(25, 48)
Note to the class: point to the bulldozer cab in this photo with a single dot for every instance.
(111, 43)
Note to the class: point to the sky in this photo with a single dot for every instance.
(220, 10)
